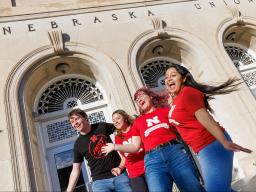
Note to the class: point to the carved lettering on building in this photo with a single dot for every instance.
(10, 29)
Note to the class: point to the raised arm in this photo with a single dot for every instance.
(127, 148)
(74, 176)
(214, 128)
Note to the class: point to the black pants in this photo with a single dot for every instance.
(139, 184)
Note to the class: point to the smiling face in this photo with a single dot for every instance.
(174, 81)
(80, 124)
(144, 102)
(120, 122)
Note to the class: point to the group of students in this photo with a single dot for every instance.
(152, 145)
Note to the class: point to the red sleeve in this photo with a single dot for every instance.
(193, 99)
(165, 111)
(118, 140)
(135, 128)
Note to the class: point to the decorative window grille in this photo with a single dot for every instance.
(96, 117)
(59, 131)
(68, 93)
(63, 130)
(250, 78)
(153, 72)
(240, 56)
(245, 61)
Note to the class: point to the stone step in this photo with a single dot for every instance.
(247, 184)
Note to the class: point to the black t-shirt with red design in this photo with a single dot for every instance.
(89, 147)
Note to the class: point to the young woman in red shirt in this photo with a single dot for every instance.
(190, 114)
(134, 162)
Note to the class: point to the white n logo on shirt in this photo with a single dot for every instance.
(152, 121)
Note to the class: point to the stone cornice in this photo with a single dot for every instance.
(24, 13)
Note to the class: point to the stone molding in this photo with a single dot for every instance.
(236, 15)
(21, 177)
(159, 27)
(56, 39)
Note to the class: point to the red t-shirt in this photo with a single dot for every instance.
(182, 111)
(154, 128)
(134, 162)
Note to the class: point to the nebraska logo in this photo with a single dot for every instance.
(154, 124)
(152, 121)
(96, 142)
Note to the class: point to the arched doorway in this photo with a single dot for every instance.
(56, 135)
(23, 90)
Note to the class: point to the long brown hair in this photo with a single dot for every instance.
(128, 118)
(209, 90)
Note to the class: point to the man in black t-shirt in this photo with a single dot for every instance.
(107, 171)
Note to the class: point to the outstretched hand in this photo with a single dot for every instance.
(108, 148)
(234, 147)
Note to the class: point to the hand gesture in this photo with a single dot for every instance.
(116, 171)
(108, 148)
(234, 147)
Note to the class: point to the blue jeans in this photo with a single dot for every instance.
(120, 183)
(171, 164)
(216, 165)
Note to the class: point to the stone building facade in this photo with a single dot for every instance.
(56, 55)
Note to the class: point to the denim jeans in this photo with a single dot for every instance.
(120, 183)
(171, 164)
(216, 165)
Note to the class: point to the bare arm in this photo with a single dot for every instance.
(214, 128)
(127, 148)
(74, 176)
(122, 163)
(118, 170)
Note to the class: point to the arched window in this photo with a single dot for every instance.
(68, 93)
(245, 61)
(65, 94)
(153, 70)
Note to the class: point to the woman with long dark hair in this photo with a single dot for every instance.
(190, 113)
(166, 161)
(134, 162)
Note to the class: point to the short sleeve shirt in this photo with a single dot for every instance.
(134, 162)
(89, 147)
(154, 128)
(182, 115)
